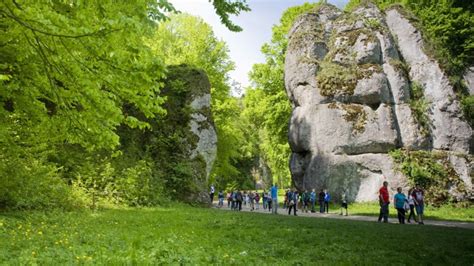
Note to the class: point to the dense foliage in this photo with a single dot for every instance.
(66, 73)
(80, 87)
(434, 172)
(266, 106)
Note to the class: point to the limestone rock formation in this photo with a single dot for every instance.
(350, 78)
(189, 116)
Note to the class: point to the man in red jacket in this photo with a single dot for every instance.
(384, 202)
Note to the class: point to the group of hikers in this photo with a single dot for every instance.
(403, 204)
(306, 201)
(293, 200)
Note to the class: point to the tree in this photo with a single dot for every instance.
(266, 104)
(224, 8)
(68, 70)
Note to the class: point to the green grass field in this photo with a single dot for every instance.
(185, 235)
(446, 212)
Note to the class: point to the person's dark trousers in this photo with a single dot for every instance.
(313, 202)
(294, 209)
(401, 215)
(269, 203)
(326, 206)
(383, 213)
(239, 205)
(412, 213)
(212, 197)
(321, 206)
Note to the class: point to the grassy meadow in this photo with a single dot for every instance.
(180, 234)
(445, 212)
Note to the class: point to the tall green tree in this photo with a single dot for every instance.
(66, 72)
(266, 103)
(68, 69)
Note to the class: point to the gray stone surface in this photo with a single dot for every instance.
(469, 80)
(448, 129)
(204, 130)
(342, 140)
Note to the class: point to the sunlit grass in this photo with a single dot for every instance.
(446, 212)
(185, 235)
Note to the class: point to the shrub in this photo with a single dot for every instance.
(434, 172)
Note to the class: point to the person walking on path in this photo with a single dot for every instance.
(251, 200)
(321, 196)
(269, 201)
(312, 198)
(419, 198)
(411, 203)
(399, 201)
(220, 196)
(327, 199)
(229, 199)
(292, 201)
(239, 199)
(274, 195)
(211, 194)
(344, 201)
(257, 200)
(306, 200)
(384, 201)
(234, 200)
(245, 198)
(264, 199)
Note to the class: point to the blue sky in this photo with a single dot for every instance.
(244, 47)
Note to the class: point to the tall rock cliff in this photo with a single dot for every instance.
(183, 143)
(189, 114)
(361, 85)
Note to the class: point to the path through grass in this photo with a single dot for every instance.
(187, 235)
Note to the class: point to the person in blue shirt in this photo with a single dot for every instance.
(292, 201)
(274, 195)
(312, 198)
(399, 200)
(327, 199)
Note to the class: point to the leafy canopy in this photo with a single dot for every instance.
(266, 106)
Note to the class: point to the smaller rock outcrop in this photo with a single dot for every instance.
(189, 110)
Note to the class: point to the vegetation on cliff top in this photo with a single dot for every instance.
(447, 29)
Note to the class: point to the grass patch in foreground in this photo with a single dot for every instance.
(186, 235)
(445, 212)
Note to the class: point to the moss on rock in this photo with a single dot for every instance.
(335, 79)
(356, 115)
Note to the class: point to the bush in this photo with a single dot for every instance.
(28, 183)
(419, 107)
(434, 172)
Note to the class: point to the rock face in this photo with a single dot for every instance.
(350, 78)
(189, 111)
(469, 79)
